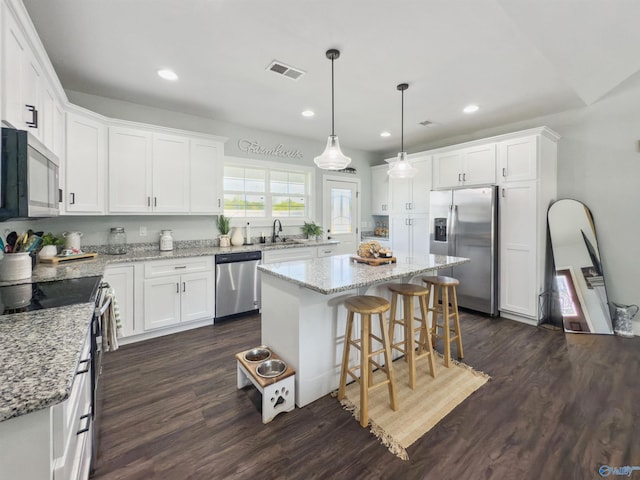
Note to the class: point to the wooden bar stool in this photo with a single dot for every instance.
(444, 290)
(367, 305)
(408, 345)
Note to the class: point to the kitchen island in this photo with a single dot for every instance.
(303, 317)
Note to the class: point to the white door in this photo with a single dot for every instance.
(340, 213)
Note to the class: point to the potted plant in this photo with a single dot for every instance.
(311, 229)
(223, 226)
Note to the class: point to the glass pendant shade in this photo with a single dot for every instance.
(402, 168)
(332, 158)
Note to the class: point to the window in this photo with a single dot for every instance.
(276, 190)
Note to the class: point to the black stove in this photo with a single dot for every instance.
(28, 297)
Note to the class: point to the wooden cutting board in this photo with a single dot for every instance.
(373, 261)
(65, 258)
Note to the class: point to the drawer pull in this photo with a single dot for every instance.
(86, 417)
(86, 368)
(180, 267)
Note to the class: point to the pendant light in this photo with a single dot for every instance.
(402, 168)
(332, 158)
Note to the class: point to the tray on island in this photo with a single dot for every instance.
(66, 258)
(373, 260)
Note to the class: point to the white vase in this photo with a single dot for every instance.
(237, 238)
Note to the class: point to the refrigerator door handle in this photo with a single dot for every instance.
(453, 223)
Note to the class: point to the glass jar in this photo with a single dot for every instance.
(166, 240)
(117, 241)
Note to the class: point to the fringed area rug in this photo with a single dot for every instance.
(418, 410)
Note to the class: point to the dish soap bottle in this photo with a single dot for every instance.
(166, 241)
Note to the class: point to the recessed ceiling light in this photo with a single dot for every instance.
(385, 134)
(308, 113)
(471, 108)
(167, 74)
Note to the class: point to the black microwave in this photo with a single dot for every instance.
(29, 187)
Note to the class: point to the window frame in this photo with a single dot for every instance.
(269, 167)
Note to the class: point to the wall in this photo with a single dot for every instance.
(95, 229)
(599, 165)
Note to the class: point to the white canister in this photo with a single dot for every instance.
(166, 240)
(72, 240)
(15, 266)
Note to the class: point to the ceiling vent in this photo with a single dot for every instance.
(285, 70)
(428, 123)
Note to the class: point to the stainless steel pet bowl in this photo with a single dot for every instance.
(271, 368)
(257, 354)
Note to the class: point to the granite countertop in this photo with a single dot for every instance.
(339, 273)
(40, 350)
(39, 354)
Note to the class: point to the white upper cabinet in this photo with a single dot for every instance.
(129, 170)
(84, 165)
(206, 172)
(29, 100)
(155, 172)
(411, 195)
(469, 166)
(170, 174)
(14, 56)
(517, 159)
(380, 190)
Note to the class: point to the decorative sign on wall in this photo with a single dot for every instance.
(252, 146)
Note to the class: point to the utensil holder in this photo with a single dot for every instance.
(15, 266)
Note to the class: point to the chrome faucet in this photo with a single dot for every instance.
(276, 233)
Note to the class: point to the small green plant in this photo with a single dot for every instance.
(223, 224)
(51, 239)
(311, 229)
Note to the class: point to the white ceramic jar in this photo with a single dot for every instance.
(15, 266)
(166, 240)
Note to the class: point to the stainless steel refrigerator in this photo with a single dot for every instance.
(464, 223)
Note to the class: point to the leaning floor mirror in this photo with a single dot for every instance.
(579, 276)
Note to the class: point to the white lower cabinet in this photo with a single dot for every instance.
(177, 291)
(121, 279)
(288, 255)
(518, 275)
(52, 443)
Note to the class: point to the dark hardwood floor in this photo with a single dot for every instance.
(558, 407)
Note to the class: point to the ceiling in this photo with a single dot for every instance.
(516, 59)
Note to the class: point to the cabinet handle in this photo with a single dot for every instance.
(60, 195)
(504, 172)
(155, 201)
(87, 417)
(177, 287)
(411, 222)
(459, 175)
(464, 177)
(410, 205)
(86, 368)
(148, 201)
(503, 193)
(34, 117)
(218, 203)
(180, 267)
(184, 286)
(73, 198)
(327, 251)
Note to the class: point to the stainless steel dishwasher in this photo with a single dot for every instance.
(237, 283)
